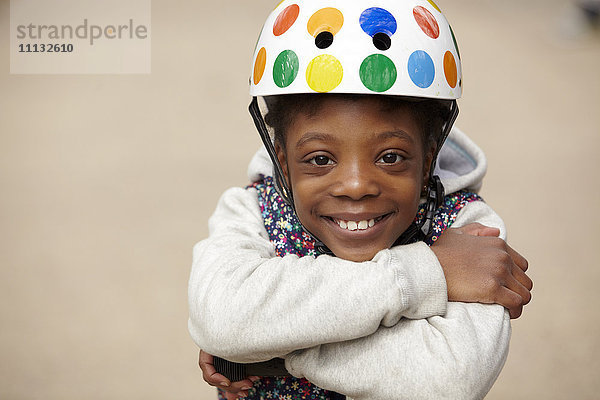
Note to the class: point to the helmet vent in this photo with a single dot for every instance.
(324, 39)
(382, 41)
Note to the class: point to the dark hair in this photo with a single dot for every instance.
(430, 113)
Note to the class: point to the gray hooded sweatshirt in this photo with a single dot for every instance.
(381, 329)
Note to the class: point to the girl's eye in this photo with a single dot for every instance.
(321, 160)
(391, 158)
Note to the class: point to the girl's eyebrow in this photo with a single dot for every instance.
(318, 136)
(400, 134)
(325, 137)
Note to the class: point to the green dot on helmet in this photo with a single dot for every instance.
(285, 69)
(378, 73)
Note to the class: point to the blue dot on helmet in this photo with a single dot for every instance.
(380, 24)
(421, 69)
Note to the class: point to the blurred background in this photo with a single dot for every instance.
(107, 181)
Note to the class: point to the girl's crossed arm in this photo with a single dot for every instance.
(465, 349)
(247, 305)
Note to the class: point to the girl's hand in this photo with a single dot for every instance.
(234, 390)
(481, 268)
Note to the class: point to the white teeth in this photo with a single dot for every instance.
(354, 225)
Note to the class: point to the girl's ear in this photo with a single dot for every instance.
(282, 161)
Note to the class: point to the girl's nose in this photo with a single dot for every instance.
(355, 181)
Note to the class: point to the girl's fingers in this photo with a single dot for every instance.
(209, 373)
(512, 302)
(239, 388)
(233, 390)
(516, 286)
(477, 229)
(522, 277)
(231, 396)
(490, 232)
(518, 259)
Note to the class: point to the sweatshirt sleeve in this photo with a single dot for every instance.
(455, 356)
(248, 305)
(458, 356)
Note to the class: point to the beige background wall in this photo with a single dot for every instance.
(107, 181)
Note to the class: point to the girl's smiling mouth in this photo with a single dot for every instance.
(357, 223)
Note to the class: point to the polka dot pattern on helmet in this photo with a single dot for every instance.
(391, 47)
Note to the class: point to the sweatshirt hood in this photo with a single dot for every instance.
(461, 164)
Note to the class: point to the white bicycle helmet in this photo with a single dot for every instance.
(403, 48)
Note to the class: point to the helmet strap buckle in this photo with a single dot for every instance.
(435, 197)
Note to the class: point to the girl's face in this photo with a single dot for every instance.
(357, 173)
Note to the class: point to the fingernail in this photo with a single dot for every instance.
(254, 378)
(246, 388)
(226, 384)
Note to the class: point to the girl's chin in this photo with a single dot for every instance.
(354, 254)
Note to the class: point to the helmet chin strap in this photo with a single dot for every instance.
(435, 188)
(278, 176)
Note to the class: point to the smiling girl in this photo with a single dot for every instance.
(339, 258)
(358, 167)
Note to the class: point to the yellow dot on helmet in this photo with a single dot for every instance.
(326, 19)
(324, 73)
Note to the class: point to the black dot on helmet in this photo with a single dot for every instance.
(324, 39)
(382, 41)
